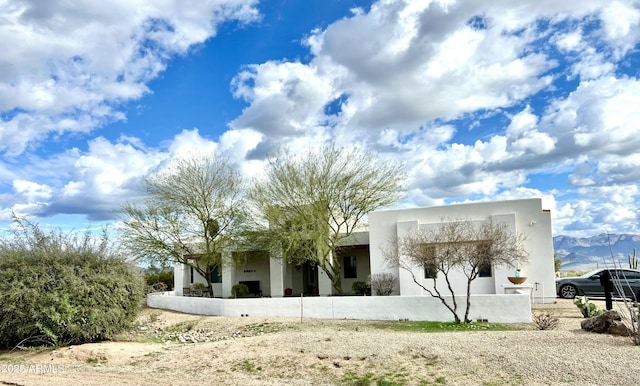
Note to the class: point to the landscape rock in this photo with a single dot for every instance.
(619, 328)
(609, 322)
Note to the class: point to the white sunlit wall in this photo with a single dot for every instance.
(184, 276)
(525, 217)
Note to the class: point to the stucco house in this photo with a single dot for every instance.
(362, 256)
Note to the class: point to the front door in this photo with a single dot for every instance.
(310, 278)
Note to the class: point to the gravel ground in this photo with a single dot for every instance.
(275, 351)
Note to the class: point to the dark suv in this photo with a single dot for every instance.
(589, 284)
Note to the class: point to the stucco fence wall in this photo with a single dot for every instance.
(509, 308)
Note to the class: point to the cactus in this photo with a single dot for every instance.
(586, 307)
(633, 261)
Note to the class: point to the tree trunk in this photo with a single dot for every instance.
(337, 284)
(466, 312)
(444, 302)
(209, 286)
(333, 269)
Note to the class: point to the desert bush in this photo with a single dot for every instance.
(239, 289)
(545, 320)
(159, 279)
(382, 284)
(360, 288)
(59, 289)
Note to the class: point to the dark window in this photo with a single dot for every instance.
(485, 271)
(191, 275)
(216, 277)
(484, 251)
(628, 275)
(428, 252)
(430, 272)
(350, 267)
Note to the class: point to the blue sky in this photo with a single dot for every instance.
(481, 100)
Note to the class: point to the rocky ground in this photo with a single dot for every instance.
(178, 349)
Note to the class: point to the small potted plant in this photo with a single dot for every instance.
(518, 278)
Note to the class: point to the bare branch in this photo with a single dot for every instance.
(455, 245)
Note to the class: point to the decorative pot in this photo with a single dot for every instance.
(517, 280)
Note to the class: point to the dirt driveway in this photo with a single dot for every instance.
(170, 348)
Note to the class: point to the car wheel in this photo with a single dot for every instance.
(568, 291)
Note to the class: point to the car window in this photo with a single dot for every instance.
(629, 275)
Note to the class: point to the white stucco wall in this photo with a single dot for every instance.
(526, 217)
(491, 307)
(256, 270)
(182, 279)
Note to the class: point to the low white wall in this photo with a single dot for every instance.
(511, 308)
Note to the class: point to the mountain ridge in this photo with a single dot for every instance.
(585, 253)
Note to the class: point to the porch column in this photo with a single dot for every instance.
(276, 274)
(228, 274)
(178, 278)
(324, 284)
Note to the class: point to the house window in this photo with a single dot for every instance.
(484, 251)
(350, 267)
(216, 277)
(430, 271)
(485, 271)
(191, 275)
(428, 252)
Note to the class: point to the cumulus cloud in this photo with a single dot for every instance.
(476, 98)
(394, 76)
(68, 65)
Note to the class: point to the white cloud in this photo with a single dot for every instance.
(285, 99)
(32, 191)
(621, 25)
(598, 119)
(188, 141)
(99, 181)
(414, 80)
(522, 122)
(67, 65)
(390, 72)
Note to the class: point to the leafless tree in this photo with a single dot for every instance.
(455, 246)
(382, 284)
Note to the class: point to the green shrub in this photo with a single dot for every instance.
(239, 289)
(360, 288)
(60, 289)
(159, 279)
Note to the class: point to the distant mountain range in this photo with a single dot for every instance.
(583, 254)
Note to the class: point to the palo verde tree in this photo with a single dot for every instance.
(310, 202)
(193, 211)
(452, 247)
